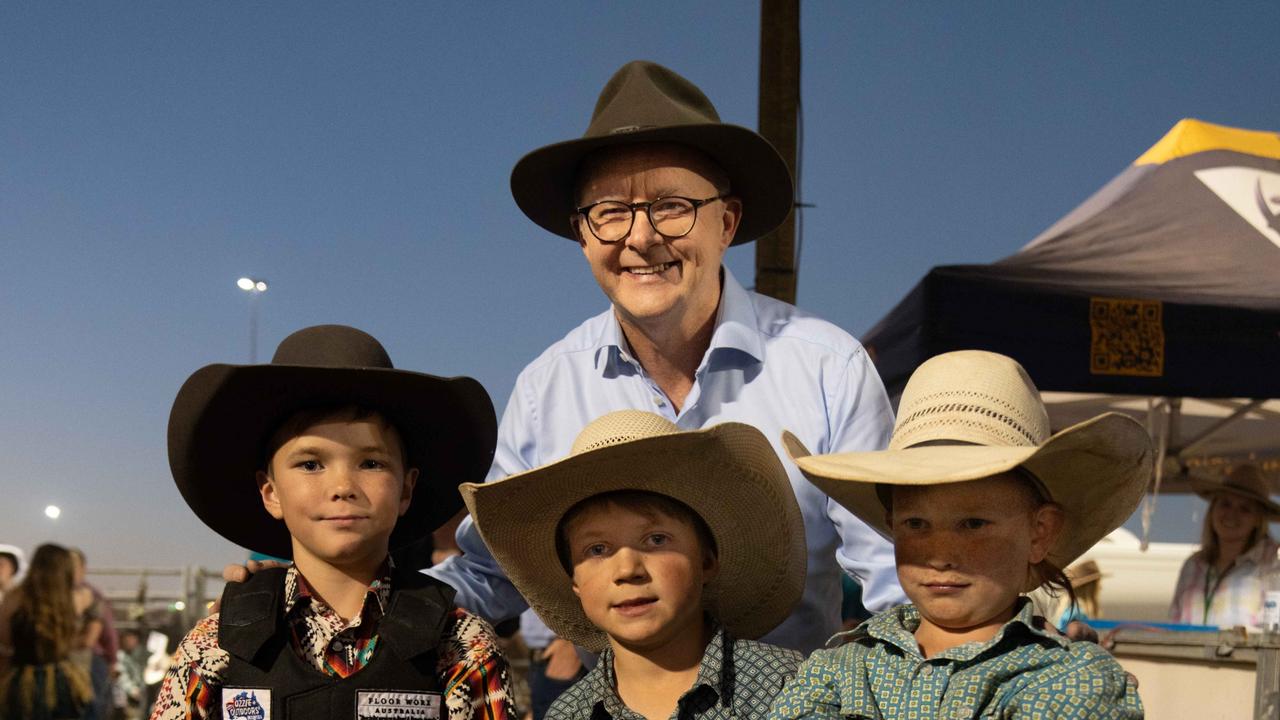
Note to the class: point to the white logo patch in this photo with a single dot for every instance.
(246, 703)
(397, 705)
(1253, 194)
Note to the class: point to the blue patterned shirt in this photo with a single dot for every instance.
(736, 679)
(1020, 673)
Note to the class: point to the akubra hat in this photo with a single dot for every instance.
(647, 103)
(1245, 480)
(972, 414)
(224, 416)
(728, 474)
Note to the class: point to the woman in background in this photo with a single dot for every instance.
(1223, 582)
(39, 628)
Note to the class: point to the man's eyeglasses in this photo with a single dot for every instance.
(672, 217)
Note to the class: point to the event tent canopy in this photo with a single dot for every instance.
(1165, 284)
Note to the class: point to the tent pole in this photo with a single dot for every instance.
(1214, 428)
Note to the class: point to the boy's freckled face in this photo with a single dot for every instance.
(963, 550)
(639, 576)
(339, 486)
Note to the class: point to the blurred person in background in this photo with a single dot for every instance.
(100, 642)
(10, 567)
(1223, 582)
(39, 630)
(130, 690)
(159, 649)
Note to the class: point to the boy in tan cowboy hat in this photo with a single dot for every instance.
(664, 551)
(983, 505)
(330, 456)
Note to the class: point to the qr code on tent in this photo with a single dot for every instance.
(1128, 337)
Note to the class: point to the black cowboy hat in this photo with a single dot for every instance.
(224, 416)
(647, 103)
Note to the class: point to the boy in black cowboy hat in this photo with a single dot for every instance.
(337, 441)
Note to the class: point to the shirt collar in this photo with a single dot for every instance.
(736, 328)
(715, 679)
(897, 627)
(298, 594)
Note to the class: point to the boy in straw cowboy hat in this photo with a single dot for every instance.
(664, 551)
(983, 505)
(330, 456)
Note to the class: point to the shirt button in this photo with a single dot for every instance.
(927, 670)
(336, 646)
(659, 401)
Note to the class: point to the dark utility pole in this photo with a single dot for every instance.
(779, 101)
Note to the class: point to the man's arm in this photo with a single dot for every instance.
(482, 587)
(862, 420)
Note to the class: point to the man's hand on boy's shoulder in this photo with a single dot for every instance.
(562, 660)
(242, 573)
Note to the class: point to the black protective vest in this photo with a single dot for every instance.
(252, 629)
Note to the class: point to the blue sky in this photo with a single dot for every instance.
(356, 155)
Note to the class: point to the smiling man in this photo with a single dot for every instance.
(654, 193)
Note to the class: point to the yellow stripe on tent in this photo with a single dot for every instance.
(1190, 136)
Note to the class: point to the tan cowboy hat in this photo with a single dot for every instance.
(971, 414)
(647, 103)
(224, 415)
(1083, 573)
(728, 474)
(1245, 480)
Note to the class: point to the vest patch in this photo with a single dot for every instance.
(397, 705)
(246, 703)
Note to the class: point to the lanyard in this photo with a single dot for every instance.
(1211, 588)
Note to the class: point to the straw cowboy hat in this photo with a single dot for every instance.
(728, 474)
(224, 416)
(647, 103)
(971, 414)
(1245, 480)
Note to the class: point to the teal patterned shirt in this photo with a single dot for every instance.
(737, 679)
(1020, 673)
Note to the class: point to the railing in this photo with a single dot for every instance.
(156, 597)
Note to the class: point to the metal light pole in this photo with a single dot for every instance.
(255, 288)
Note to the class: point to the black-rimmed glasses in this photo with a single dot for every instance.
(672, 217)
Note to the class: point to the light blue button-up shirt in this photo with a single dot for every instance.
(769, 365)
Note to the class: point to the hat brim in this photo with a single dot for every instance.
(1208, 488)
(224, 415)
(543, 181)
(1096, 470)
(729, 475)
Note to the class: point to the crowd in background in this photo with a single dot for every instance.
(61, 655)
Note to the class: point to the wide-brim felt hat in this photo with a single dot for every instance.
(1245, 480)
(971, 414)
(224, 416)
(647, 103)
(728, 474)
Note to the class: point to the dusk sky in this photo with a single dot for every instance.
(356, 156)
